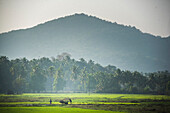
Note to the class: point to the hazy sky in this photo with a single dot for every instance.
(151, 16)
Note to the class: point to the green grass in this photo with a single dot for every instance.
(50, 110)
(79, 98)
(39, 102)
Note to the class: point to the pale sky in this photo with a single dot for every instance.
(150, 16)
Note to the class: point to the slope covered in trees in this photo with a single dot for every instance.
(89, 37)
(66, 74)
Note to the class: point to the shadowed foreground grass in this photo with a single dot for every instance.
(50, 110)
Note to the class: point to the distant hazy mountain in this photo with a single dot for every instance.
(89, 37)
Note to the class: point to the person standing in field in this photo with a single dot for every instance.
(70, 100)
(50, 101)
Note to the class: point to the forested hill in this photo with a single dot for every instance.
(89, 37)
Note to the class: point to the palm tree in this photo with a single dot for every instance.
(51, 70)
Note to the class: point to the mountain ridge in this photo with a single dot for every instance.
(82, 36)
(39, 24)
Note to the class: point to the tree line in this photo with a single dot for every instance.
(66, 74)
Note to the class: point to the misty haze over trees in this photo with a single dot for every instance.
(66, 74)
(142, 58)
(89, 37)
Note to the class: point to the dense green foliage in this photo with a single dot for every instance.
(66, 74)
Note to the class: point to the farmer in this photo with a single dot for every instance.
(50, 101)
(70, 100)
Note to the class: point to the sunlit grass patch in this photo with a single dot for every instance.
(79, 98)
(104, 103)
(142, 96)
(39, 103)
(24, 103)
(50, 110)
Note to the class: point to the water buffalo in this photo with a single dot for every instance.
(65, 101)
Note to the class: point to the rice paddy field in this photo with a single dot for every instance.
(84, 103)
